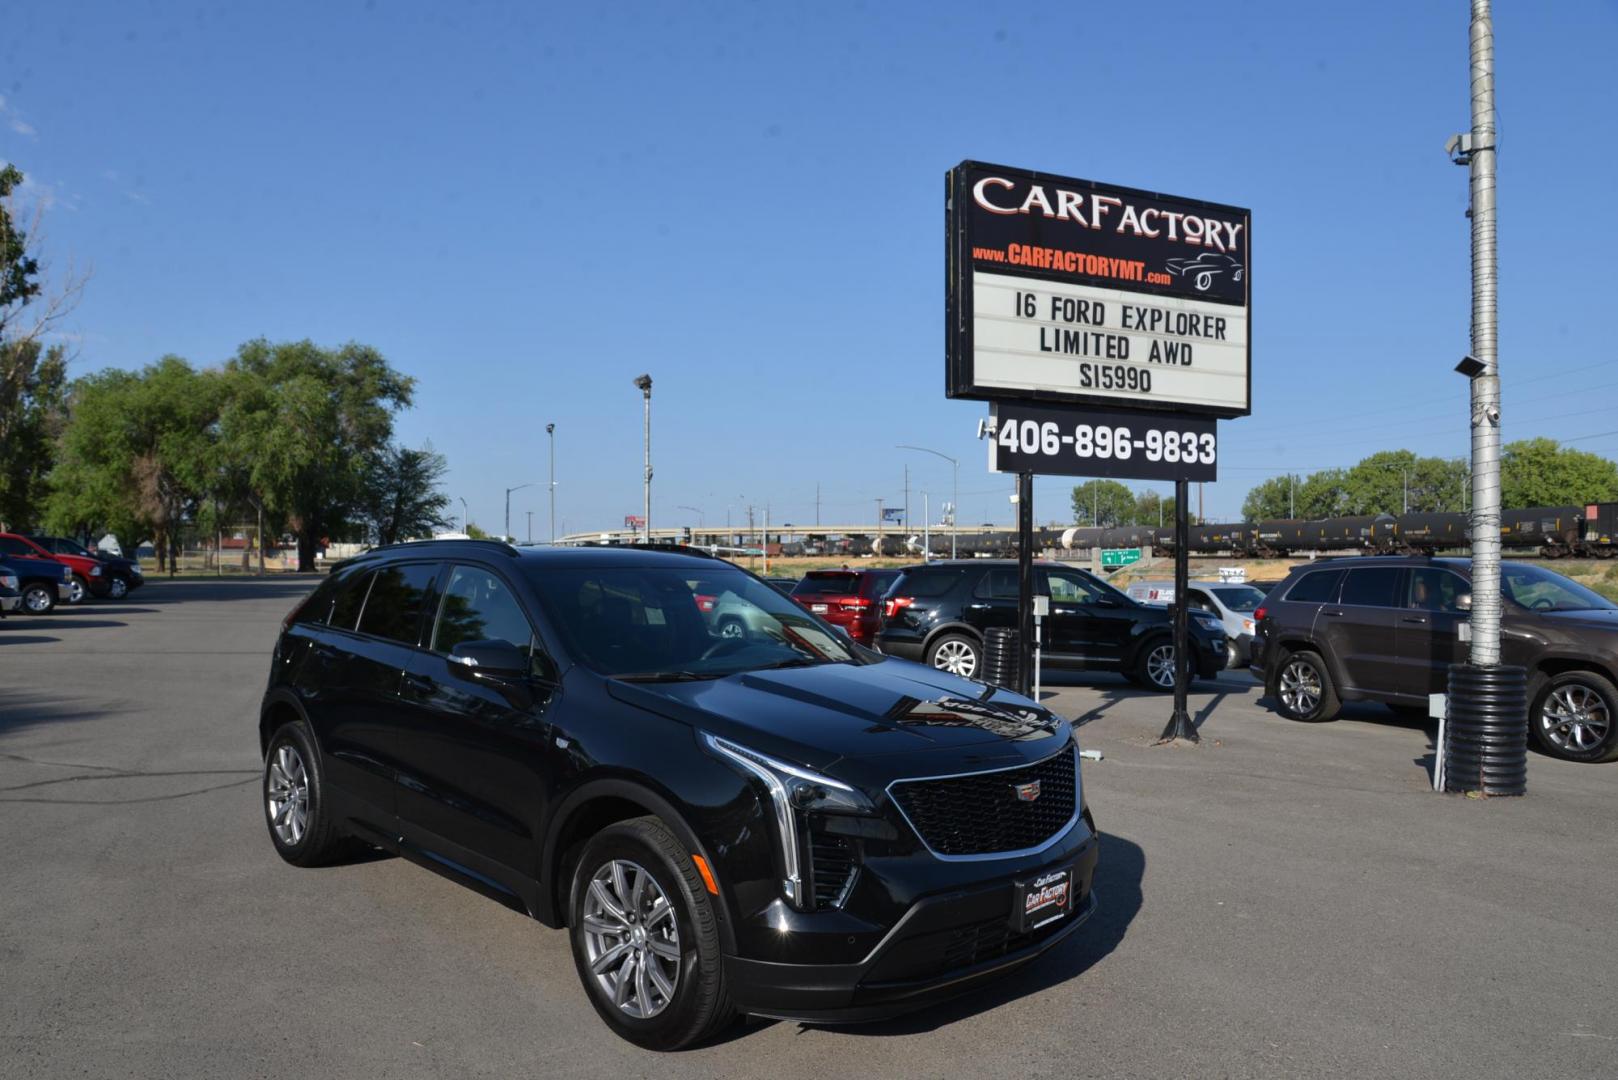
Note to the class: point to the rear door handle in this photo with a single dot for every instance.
(420, 683)
(1422, 619)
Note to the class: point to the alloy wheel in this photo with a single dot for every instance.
(1160, 666)
(37, 600)
(288, 795)
(731, 628)
(119, 588)
(1299, 687)
(75, 592)
(957, 658)
(632, 939)
(1575, 718)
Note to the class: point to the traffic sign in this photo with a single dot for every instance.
(1119, 556)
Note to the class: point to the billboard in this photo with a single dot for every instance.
(1068, 290)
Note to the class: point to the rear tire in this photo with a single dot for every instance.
(956, 654)
(1574, 716)
(645, 937)
(1303, 688)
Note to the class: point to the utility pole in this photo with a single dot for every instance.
(550, 429)
(907, 497)
(955, 490)
(530, 514)
(817, 504)
(506, 536)
(644, 383)
(878, 523)
(766, 544)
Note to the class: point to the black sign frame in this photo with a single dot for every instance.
(959, 264)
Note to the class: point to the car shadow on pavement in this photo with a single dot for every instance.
(55, 622)
(7, 638)
(1118, 893)
(20, 709)
(181, 590)
(1206, 697)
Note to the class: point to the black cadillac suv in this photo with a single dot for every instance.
(777, 822)
(937, 614)
(1388, 629)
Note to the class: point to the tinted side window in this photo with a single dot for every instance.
(1316, 588)
(11, 546)
(1432, 589)
(935, 583)
(877, 582)
(477, 606)
(1071, 589)
(997, 585)
(345, 610)
(1371, 587)
(393, 610)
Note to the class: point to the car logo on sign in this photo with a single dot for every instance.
(1026, 792)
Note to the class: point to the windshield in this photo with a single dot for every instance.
(1239, 597)
(69, 547)
(1542, 590)
(676, 623)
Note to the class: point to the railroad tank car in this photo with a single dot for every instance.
(1431, 532)
(1598, 537)
(1127, 536)
(1367, 532)
(1554, 530)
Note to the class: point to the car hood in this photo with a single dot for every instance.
(1592, 618)
(820, 715)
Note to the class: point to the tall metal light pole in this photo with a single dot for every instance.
(530, 514)
(644, 384)
(463, 515)
(507, 535)
(955, 492)
(550, 429)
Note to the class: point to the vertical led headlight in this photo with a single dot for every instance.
(794, 792)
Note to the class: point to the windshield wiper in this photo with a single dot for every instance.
(796, 661)
(671, 676)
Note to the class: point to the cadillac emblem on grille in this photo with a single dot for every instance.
(1026, 792)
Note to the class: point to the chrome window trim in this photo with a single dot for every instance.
(1072, 747)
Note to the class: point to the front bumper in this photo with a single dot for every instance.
(943, 945)
(64, 591)
(10, 603)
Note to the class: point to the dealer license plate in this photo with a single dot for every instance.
(1043, 899)
(817, 609)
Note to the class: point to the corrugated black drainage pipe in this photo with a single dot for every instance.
(1486, 741)
(1000, 658)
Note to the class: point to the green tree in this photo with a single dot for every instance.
(302, 427)
(137, 454)
(476, 531)
(1102, 502)
(1540, 472)
(1272, 499)
(1323, 494)
(402, 497)
(19, 270)
(33, 394)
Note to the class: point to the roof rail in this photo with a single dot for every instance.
(677, 549)
(415, 544)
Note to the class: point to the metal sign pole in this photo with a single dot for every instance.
(1179, 726)
(1025, 582)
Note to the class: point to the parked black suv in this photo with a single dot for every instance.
(775, 822)
(938, 613)
(1387, 629)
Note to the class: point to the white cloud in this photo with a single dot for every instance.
(16, 122)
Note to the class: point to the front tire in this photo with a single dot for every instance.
(1154, 667)
(39, 599)
(294, 789)
(117, 588)
(1304, 690)
(645, 937)
(1571, 716)
(78, 591)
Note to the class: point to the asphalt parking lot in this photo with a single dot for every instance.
(1284, 900)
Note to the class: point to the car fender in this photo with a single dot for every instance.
(951, 628)
(553, 904)
(278, 699)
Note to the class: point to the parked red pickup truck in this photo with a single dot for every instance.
(93, 575)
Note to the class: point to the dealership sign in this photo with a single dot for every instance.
(1067, 290)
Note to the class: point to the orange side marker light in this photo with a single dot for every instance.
(707, 874)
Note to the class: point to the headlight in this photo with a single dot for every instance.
(7, 581)
(794, 791)
(95, 571)
(67, 573)
(135, 568)
(1247, 624)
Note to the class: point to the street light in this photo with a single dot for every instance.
(644, 384)
(463, 516)
(702, 520)
(955, 510)
(550, 429)
(509, 490)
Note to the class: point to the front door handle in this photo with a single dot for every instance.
(1422, 619)
(422, 684)
(1325, 611)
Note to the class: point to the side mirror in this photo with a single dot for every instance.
(1463, 602)
(490, 657)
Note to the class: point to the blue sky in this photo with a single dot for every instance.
(525, 206)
